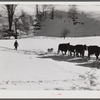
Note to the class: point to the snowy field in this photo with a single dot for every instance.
(31, 67)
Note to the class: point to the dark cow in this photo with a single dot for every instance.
(93, 50)
(63, 48)
(71, 49)
(80, 49)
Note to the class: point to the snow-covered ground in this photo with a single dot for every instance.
(31, 67)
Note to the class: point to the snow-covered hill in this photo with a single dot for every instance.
(31, 67)
(90, 26)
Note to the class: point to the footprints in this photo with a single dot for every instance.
(42, 54)
(73, 84)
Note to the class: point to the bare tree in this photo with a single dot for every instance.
(15, 20)
(44, 7)
(38, 14)
(51, 7)
(52, 13)
(25, 22)
(10, 11)
(37, 11)
(65, 32)
(72, 12)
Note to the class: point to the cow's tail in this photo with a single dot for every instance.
(58, 50)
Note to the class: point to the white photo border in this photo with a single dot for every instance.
(30, 94)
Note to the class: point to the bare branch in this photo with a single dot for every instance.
(5, 9)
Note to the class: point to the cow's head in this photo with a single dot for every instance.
(68, 43)
(85, 47)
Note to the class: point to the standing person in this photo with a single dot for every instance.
(15, 45)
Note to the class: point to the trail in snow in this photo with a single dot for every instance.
(32, 67)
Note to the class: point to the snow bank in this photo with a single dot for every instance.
(31, 67)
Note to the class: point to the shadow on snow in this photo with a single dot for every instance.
(77, 60)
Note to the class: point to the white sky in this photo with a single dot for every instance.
(85, 8)
(88, 7)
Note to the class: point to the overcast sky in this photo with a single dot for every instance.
(85, 8)
(93, 8)
(88, 8)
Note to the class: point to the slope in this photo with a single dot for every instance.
(54, 27)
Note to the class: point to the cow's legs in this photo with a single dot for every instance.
(88, 56)
(65, 52)
(74, 54)
(83, 55)
(62, 52)
(70, 53)
(96, 56)
(77, 54)
(58, 51)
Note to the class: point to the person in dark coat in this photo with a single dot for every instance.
(16, 45)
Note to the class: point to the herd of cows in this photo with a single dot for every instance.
(79, 50)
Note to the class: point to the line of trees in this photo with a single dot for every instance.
(11, 8)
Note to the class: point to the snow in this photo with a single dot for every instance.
(31, 67)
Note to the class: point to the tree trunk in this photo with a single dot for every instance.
(10, 19)
(15, 30)
(10, 11)
(37, 12)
